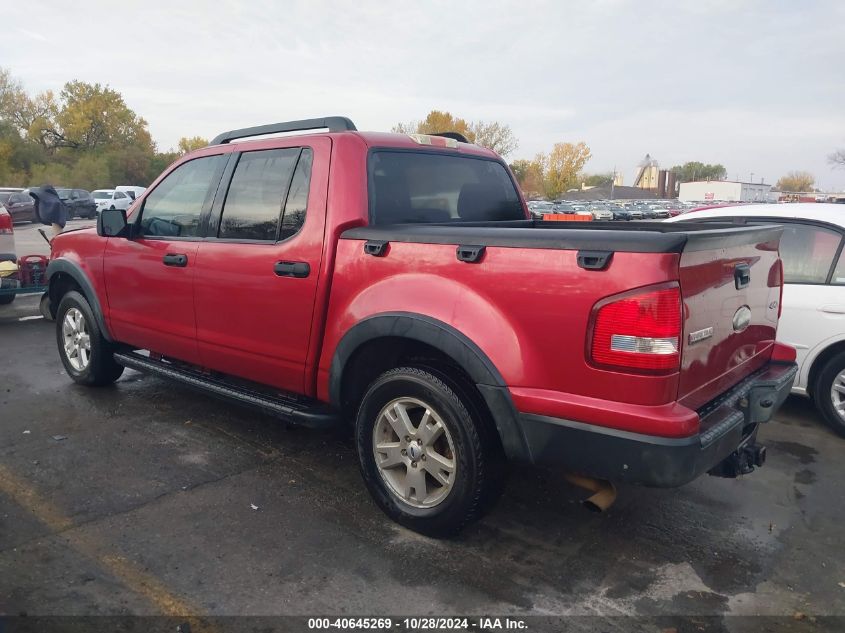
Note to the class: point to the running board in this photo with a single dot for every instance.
(310, 413)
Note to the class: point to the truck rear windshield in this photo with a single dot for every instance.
(429, 187)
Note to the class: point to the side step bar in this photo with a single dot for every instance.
(313, 414)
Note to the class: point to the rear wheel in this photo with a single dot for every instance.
(85, 353)
(829, 392)
(428, 460)
(6, 299)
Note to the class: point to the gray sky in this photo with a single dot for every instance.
(757, 85)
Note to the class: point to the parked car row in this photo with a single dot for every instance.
(80, 202)
(612, 209)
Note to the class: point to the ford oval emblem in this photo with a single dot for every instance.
(742, 319)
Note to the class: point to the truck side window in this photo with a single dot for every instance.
(256, 196)
(174, 207)
(297, 202)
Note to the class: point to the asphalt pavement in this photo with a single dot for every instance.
(145, 498)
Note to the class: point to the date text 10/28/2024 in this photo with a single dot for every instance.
(418, 623)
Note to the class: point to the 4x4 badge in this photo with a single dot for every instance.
(700, 335)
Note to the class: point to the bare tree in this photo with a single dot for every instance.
(837, 158)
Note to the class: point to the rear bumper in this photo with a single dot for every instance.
(726, 424)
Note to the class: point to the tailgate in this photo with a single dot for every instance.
(730, 281)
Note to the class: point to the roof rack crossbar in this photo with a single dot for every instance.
(332, 123)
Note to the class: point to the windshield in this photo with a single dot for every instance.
(102, 195)
(4, 197)
(63, 193)
(435, 187)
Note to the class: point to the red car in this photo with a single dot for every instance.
(396, 283)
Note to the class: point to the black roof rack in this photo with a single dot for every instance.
(457, 136)
(333, 123)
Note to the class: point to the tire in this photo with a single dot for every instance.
(96, 366)
(450, 499)
(826, 397)
(6, 299)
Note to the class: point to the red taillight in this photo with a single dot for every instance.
(5, 222)
(639, 331)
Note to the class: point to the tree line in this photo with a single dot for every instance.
(87, 136)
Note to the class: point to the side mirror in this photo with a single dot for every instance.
(112, 223)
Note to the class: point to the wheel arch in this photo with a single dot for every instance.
(64, 275)
(398, 332)
(819, 361)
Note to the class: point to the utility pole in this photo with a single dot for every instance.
(752, 178)
(613, 183)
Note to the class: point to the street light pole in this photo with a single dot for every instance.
(613, 183)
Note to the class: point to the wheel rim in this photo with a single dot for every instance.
(837, 394)
(77, 340)
(414, 452)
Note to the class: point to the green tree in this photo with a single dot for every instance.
(494, 135)
(796, 181)
(597, 180)
(694, 170)
(187, 145)
(563, 166)
(491, 134)
(435, 122)
(530, 175)
(92, 116)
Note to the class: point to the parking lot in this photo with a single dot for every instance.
(145, 498)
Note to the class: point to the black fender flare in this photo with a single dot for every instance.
(453, 344)
(75, 272)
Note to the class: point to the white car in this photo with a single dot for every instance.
(813, 311)
(111, 199)
(131, 190)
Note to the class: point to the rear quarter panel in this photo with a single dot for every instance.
(526, 309)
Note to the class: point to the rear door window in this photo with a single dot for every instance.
(425, 187)
(267, 196)
(253, 206)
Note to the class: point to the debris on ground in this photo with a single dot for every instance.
(253, 506)
(59, 438)
(27, 432)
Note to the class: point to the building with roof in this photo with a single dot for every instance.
(723, 190)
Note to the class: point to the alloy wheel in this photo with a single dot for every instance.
(414, 452)
(77, 340)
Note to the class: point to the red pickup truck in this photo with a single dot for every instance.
(397, 283)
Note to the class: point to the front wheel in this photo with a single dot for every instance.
(86, 355)
(428, 459)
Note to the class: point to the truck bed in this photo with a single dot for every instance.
(634, 237)
(530, 298)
